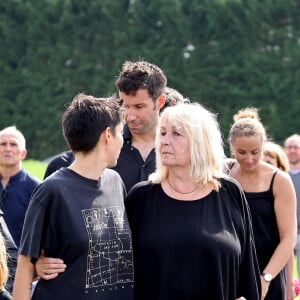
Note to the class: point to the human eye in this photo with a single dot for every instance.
(241, 152)
(176, 133)
(162, 132)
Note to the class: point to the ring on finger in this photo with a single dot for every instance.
(45, 271)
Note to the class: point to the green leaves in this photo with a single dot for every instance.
(226, 54)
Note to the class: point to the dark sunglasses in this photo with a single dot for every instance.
(3, 195)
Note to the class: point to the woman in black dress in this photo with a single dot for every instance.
(272, 201)
(191, 228)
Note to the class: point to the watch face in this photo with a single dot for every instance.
(268, 277)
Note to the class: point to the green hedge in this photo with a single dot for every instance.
(226, 54)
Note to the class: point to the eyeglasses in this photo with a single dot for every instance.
(3, 195)
(296, 147)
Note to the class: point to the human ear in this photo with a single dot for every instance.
(23, 154)
(161, 101)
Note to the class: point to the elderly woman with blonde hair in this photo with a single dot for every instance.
(191, 227)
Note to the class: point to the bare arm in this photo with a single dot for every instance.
(290, 289)
(285, 210)
(23, 278)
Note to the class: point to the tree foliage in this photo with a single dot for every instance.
(226, 54)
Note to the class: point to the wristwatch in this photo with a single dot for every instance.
(267, 277)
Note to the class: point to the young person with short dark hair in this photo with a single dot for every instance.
(78, 214)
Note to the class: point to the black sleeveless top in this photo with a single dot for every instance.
(266, 235)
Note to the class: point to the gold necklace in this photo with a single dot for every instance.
(183, 193)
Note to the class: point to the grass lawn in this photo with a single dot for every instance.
(35, 167)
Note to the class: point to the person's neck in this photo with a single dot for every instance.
(7, 172)
(183, 187)
(252, 172)
(144, 143)
(89, 166)
(295, 167)
(180, 176)
(145, 138)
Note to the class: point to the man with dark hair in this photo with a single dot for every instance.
(143, 94)
(141, 88)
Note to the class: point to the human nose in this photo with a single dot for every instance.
(130, 114)
(7, 147)
(164, 139)
(249, 158)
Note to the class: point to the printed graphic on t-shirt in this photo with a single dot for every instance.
(110, 259)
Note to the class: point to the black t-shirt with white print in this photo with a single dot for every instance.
(83, 222)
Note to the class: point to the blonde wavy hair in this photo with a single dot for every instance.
(3, 264)
(206, 144)
(276, 152)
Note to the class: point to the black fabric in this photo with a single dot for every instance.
(12, 252)
(5, 295)
(266, 236)
(62, 160)
(83, 222)
(191, 250)
(131, 165)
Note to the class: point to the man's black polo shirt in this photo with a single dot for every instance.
(131, 165)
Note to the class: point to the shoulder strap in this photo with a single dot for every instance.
(272, 180)
(228, 165)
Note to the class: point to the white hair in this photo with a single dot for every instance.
(206, 144)
(17, 133)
